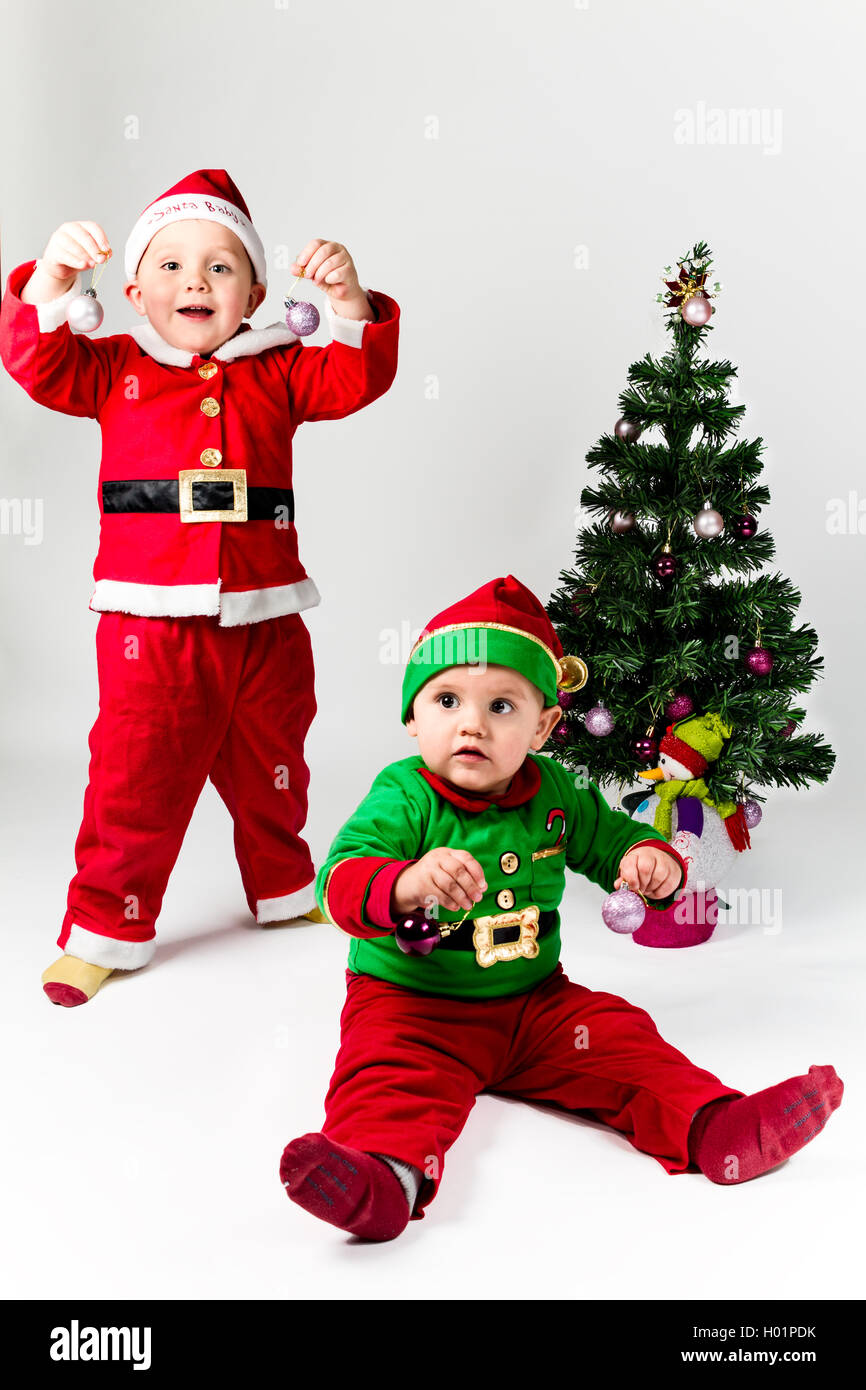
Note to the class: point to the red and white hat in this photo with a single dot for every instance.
(208, 194)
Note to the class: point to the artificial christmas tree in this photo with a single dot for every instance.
(666, 605)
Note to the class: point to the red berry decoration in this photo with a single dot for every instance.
(580, 602)
(744, 526)
(416, 934)
(759, 661)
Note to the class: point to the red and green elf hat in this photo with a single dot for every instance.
(500, 624)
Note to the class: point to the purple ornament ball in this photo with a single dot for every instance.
(627, 430)
(744, 526)
(416, 934)
(679, 707)
(788, 729)
(759, 661)
(645, 749)
(560, 733)
(565, 699)
(623, 911)
(752, 814)
(599, 721)
(665, 567)
(302, 317)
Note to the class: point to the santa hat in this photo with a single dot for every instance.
(208, 194)
(500, 624)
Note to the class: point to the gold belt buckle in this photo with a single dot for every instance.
(488, 951)
(236, 476)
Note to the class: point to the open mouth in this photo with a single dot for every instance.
(198, 311)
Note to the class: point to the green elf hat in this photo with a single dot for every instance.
(500, 624)
(696, 742)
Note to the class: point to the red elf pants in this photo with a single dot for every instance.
(410, 1066)
(181, 700)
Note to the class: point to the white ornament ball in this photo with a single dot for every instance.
(620, 522)
(85, 313)
(708, 522)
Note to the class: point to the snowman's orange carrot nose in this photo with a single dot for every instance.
(655, 776)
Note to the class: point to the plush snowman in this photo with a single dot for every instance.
(708, 835)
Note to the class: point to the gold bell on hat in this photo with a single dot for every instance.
(573, 673)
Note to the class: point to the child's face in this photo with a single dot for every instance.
(201, 263)
(492, 709)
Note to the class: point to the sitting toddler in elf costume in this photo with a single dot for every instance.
(480, 824)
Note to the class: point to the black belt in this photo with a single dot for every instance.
(461, 939)
(210, 494)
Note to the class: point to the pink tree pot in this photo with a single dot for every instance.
(687, 922)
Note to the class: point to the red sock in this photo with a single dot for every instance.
(351, 1189)
(734, 1139)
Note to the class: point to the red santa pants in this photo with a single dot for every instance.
(181, 700)
(410, 1066)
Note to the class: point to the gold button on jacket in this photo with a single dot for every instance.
(211, 458)
(207, 370)
(505, 898)
(210, 406)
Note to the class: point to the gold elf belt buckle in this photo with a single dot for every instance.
(506, 936)
(236, 476)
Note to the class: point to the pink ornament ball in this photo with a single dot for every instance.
(599, 721)
(679, 707)
(416, 934)
(697, 310)
(759, 661)
(566, 699)
(752, 814)
(623, 911)
(302, 317)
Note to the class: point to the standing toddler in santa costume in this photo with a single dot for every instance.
(481, 829)
(205, 664)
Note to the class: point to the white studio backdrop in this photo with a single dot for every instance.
(516, 176)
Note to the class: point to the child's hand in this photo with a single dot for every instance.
(329, 265)
(74, 246)
(652, 871)
(451, 876)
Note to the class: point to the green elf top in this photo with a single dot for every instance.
(546, 820)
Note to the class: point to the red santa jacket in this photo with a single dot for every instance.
(191, 446)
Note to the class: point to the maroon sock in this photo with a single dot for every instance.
(351, 1189)
(734, 1139)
